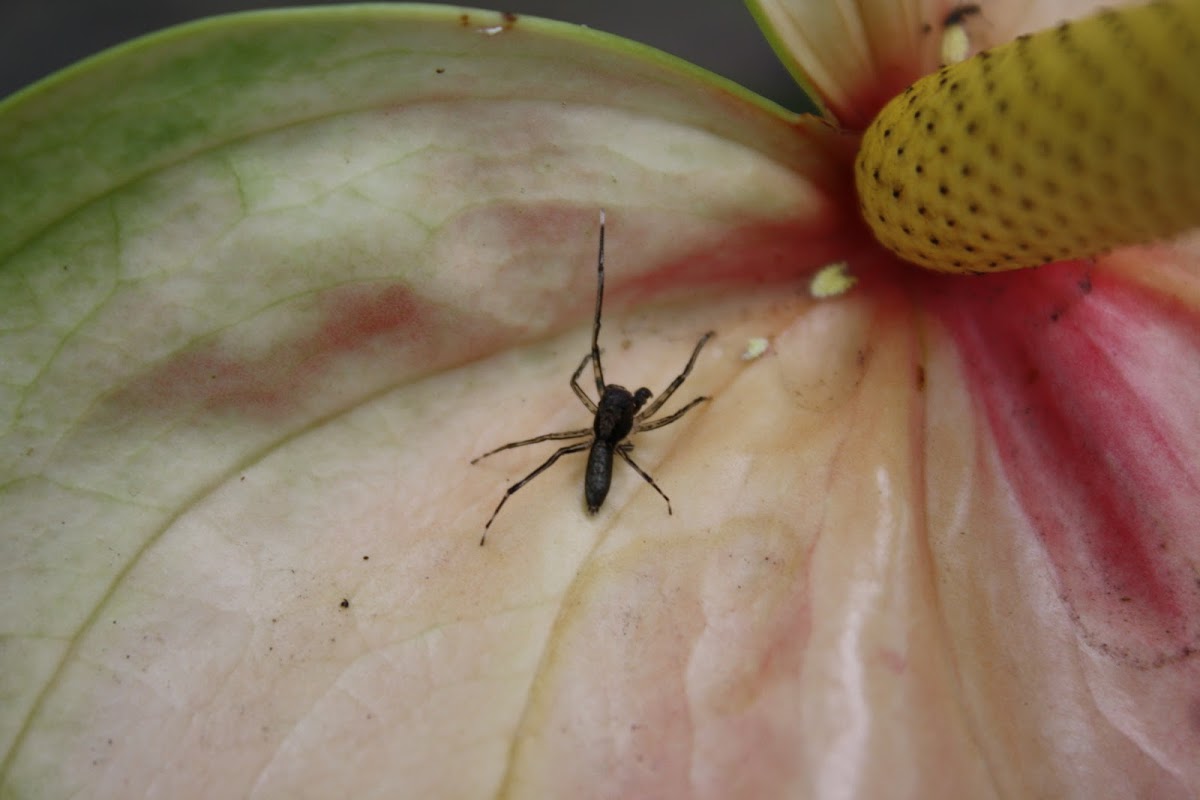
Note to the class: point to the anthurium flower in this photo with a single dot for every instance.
(272, 281)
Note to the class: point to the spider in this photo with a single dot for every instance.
(619, 414)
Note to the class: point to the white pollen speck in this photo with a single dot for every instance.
(755, 348)
(956, 45)
(956, 41)
(832, 280)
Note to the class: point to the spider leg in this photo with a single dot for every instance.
(623, 452)
(649, 410)
(559, 453)
(667, 420)
(545, 437)
(597, 369)
(587, 401)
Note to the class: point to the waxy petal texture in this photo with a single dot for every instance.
(271, 283)
(249, 264)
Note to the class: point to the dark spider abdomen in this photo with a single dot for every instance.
(598, 477)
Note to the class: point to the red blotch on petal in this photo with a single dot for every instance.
(233, 372)
(1091, 391)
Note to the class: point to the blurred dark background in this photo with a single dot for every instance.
(38, 37)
